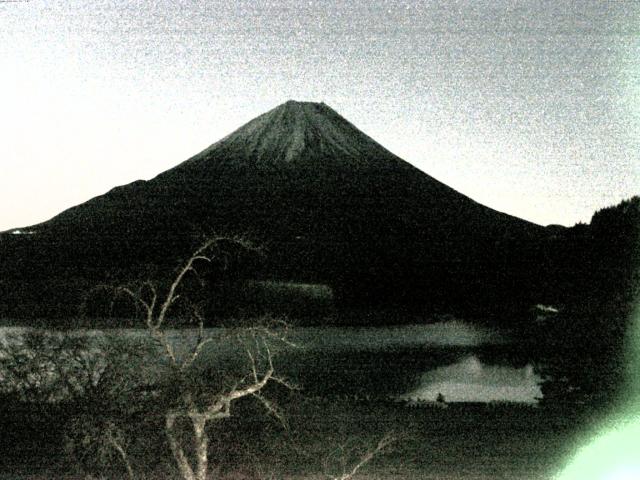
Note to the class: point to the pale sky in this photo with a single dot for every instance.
(530, 107)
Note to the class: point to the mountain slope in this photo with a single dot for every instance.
(330, 204)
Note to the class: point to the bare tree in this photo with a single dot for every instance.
(189, 401)
(344, 462)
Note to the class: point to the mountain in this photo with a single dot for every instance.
(329, 204)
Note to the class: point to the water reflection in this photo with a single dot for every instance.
(469, 380)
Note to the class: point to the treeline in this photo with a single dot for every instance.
(585, 271)
(594, 280)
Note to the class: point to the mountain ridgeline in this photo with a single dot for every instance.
(329, 205)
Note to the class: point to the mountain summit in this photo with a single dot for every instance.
(298, 135)
(299, 132)
(330, 204)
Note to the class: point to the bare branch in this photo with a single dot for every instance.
(383, 443)
(195, 353)
(171, 295)
(285, 383)
(201, 341)
(272, 409)
(200, 257)
(257, 385)
(121, 452)
(253, 388)
(161, 337)
(194, 405)
(136, 297)
(176, 448)
(253, 365)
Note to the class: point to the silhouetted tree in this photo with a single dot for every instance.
(597, 281)
(186, 395)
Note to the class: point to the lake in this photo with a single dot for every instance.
(415, 363)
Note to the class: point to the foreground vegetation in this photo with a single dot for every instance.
(323, 437)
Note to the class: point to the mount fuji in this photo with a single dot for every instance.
(329, 204)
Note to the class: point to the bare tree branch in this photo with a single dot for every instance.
(171, 296)
(121, 452)
(348, 473)
(272, 409)
(200, 408)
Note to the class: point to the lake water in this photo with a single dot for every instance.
(415, 363)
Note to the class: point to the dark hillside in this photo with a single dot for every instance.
(329, 204)
(593, 277)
